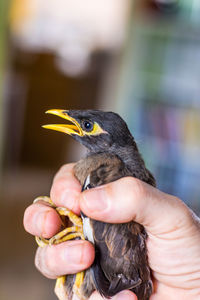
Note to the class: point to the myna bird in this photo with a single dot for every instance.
(120, 249)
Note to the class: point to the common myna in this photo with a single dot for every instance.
(120, 249)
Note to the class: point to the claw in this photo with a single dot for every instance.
(45, 199)
(41, 242)
(77, 221)
(66, 234)
(70, 237)
(56, 239)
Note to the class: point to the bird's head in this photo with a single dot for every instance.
(96, 130)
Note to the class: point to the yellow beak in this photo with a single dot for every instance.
(66, 128)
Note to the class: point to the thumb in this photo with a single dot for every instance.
(130, 199)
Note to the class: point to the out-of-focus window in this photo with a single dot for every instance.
(71, 29)
(159, 92)
(59, 55)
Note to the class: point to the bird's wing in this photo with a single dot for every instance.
(115, 267)
(115, 244)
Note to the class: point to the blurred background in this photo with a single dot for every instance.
(138, 58)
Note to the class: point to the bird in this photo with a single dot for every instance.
(121, 257)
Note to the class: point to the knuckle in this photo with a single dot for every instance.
(63, 171)
(184, 216)
(60, 172)
(26, 217)
(183, 209)
(45, 263)
(185, 212)
(137, 187)
(39, 259)
(57, 188)
(36, 260)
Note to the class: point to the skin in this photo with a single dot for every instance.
(173, 232)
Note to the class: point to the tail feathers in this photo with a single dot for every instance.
(101, 282)
(144, 291)
(108, 288)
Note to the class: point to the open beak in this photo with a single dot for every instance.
(70, 129)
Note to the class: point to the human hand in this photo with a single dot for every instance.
(42, 220)
(174, 232)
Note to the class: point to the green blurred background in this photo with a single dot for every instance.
(139, 58)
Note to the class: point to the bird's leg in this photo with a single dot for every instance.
(63, 235)
(78, 282)
(66, 234)
(78, 232)
(39, 240)
(75, 231)
(77, 221)
(60, 289)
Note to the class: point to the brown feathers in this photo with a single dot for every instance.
(121, 255)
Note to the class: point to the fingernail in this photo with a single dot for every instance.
(75, 252)
(95, 200)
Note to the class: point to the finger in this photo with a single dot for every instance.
(66, 258)
(123, 295)
(41, 220)
(66, 189)
(131, 199)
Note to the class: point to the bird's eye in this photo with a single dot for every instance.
(87, 125)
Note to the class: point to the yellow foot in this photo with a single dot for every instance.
(60, 289)
(41, 241)
(69, 233)
(78, 283)
(45, 199)
(64, 235)
(77, 221)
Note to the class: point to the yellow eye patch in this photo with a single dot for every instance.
(80, 128)
(96, 130)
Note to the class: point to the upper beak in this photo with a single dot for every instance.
(66, 128)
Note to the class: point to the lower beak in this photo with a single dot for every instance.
(71, 129)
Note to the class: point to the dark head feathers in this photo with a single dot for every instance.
(116, 131)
